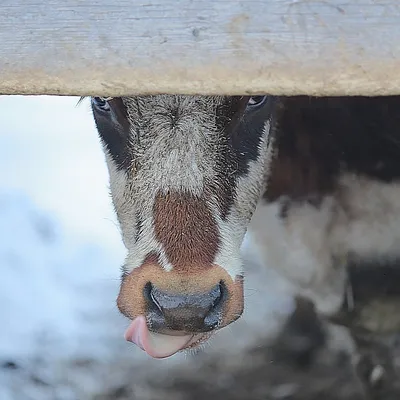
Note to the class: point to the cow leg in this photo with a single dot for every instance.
(296, 238)
(312, 345)
(306, 337)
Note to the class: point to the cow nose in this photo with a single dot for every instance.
(193, 313)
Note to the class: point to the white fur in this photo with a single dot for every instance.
(119, 185)
(373, 228)
(175, 157)
(312, 245)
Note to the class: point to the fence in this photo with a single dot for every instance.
(120, 47)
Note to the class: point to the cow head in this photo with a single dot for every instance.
(186, 173)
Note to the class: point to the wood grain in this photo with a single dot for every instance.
(107, 47)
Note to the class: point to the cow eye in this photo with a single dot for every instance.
(256, 101)
(101, 103)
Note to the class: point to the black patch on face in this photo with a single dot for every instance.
(241, 128)
(228, 116)
(318, 138)
(113, 128)
(247, 138)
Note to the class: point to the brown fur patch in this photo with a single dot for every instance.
(185, 227)
(131, 301)
(318, 138)
(303, 163)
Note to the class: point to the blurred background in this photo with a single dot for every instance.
(61, 335)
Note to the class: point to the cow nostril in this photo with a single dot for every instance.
(197, 312)
(220, 295)
(154, 300)
(147, 292)
(216, 295)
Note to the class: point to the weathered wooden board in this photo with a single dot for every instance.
(116, 47)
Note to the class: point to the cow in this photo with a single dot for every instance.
(315, 181)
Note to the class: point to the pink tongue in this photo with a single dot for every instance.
(154, 344)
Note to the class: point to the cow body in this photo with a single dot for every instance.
(314, 180)
(332, 194)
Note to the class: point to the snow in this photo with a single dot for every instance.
(60, 257)
(49, 149)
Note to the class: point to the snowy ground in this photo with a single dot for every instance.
(60, 253)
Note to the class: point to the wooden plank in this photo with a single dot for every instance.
(120, 47)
